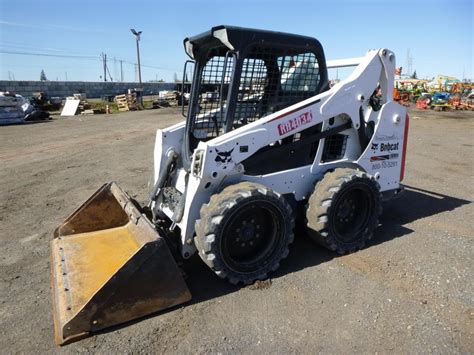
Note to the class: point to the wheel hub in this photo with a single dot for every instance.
(352, 213)
(346, 210)
(252, 233)
(247, 232)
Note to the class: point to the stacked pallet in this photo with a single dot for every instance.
(127, 102)
(166, 99)
(82, 105)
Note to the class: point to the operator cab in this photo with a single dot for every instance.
(242, 75)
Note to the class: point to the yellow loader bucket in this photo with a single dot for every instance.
(109, 266)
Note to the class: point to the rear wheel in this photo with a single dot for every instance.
(244, 232)
(343, 210)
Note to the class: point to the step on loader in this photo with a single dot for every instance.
(265, 138)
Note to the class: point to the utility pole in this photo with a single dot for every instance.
(65, 75)
(409, 63)
(137, 37)
(104, 59)
(121, 71)
(115, 68)
(139, 66)
(108, 71)
(105, 67)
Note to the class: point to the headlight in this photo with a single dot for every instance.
(197, 162)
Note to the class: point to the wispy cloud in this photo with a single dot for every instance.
(52, 27)
(23, 46)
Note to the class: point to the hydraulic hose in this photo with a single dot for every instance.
(179, 211)
(171, 157)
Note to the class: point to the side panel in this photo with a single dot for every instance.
(298, 182)
(383, 155)
(171, 137)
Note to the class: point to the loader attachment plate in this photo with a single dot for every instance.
(109, 266)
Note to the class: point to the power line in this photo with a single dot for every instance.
(150, 66)
(53, 27)
(52, 55)
(27, 47)
(98, 58)
(101, 58)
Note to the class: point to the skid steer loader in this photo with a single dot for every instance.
(265, 137)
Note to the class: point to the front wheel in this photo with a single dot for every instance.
(244, 232)
(343, 210)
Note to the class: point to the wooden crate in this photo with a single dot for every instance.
(126, 102)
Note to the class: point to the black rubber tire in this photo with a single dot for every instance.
(324, 223)
(217, 238)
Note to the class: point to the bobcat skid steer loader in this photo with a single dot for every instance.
(264, 137)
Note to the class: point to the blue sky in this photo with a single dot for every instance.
(439, 33)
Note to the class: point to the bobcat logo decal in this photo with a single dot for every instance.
(223, 157)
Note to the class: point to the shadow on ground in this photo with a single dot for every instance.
(26, 122)
(413, 204)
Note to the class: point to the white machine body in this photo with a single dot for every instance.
(216, 163)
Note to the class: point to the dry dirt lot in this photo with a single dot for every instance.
(411, 290)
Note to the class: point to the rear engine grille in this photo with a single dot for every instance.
(334, 148)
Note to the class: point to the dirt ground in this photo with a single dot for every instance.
(411, 290)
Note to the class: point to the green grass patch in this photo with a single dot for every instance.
(101, 105)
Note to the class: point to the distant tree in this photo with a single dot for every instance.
(43, 76)
(175, 77)
(161, 81)
(414, 76)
